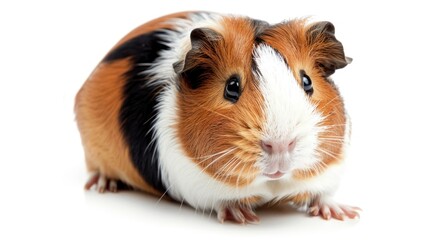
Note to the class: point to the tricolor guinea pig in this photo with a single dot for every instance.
(225, 113)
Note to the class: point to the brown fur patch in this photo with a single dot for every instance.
(219, 136)
(97, 109)
(304, 50)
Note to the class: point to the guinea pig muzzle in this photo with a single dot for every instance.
(277, 157)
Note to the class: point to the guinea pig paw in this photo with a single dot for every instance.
(113, 185)
(238, 214)
(103, 183)
(327, 209)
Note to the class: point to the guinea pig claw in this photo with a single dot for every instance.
(250, 215)
(237, 214)
(327, 209)
(351, 212)
(102, 182)
(314, 211)
(93, 179)
(113, 186)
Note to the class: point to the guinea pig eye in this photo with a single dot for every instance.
(232, 89)
(307, 85)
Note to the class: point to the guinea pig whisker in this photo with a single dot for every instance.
(331, 131)
(329, 153)
(233, 162)
(213, 155)
(326, 118)
(205, 158)
(220, 174)
(328, 127)
(181, 203)
(320, 167)
(220, 114)
(228, 177)
(225, 152)
(228, 167)
(332, 144)
(315, 169)
(223, 175)
(212, 207)
(225, 168)
(216, 159)
(326, 104)
(151, 142)
(163, 194)
(147, 121)
(239, 175)
(332, 139)
(322, 136)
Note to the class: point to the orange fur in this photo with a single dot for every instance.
(97, 110)
(250, 200)
(208, 124)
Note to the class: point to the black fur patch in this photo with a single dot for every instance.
(255, 68)
(196, 76)
(138, 112)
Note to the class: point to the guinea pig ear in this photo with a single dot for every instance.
(326, 49)
(200, 38)
(196, 62)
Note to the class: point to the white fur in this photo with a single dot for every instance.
(183, 179)
(288, 112)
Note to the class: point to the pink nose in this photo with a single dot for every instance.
(278, 147)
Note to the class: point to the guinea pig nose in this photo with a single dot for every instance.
(278, 147)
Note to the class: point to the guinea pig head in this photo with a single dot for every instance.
(258, 105)
(304, 110)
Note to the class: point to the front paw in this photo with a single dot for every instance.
(327, 209)
(237, 213)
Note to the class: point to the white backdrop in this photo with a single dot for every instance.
(48, 49)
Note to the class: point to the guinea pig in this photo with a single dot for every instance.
(224, 113)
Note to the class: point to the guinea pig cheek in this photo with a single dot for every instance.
(220, 140)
